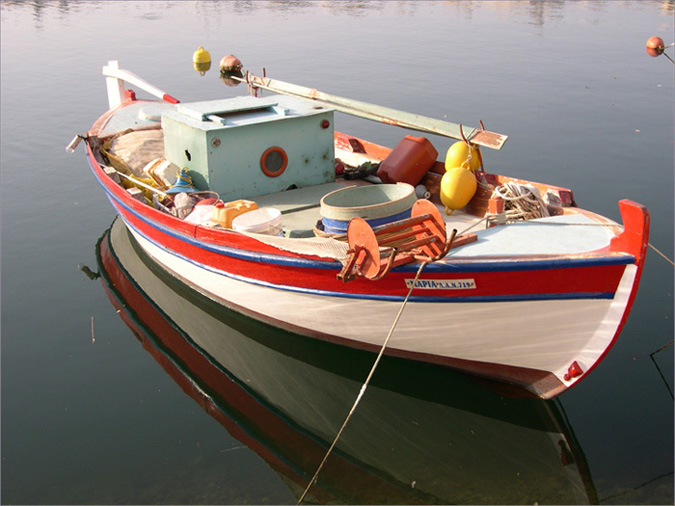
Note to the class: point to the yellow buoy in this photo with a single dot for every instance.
(201, 60)
(458, 156)
(458, 187)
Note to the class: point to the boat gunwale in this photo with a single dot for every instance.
(287, 258)
(275, 254)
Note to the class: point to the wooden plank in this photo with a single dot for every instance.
(114, 77)
(382, 114)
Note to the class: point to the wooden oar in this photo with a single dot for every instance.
(141, 183)
(378, 113)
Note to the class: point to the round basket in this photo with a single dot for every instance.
(378, 204)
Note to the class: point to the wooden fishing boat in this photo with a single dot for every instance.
(284, 395)
(534, 296)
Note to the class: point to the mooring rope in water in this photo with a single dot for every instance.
(365, 384)
(651, 356)
(662, 255)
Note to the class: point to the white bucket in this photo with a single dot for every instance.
(266, 220)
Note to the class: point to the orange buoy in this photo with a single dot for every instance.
(655, 43)
(230, 63)
(655, 46)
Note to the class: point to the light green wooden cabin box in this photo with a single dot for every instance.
(224, 144)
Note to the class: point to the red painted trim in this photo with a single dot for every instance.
(634, 240)
(593, 279)
(635, 236)
(170, 99)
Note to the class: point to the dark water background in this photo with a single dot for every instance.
(99, 422)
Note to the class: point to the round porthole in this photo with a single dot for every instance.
(273, 161)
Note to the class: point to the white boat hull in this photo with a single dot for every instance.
(536, 335)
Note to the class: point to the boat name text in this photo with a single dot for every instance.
(442, 284)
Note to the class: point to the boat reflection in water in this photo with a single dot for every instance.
(421, 434)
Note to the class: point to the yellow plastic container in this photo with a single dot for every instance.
(224, 213)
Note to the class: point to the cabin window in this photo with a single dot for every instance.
(273, 161)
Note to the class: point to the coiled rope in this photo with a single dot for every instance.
(365, 384)
(522, 202)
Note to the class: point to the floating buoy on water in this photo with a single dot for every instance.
(460, 154)
(655, 43)
(655, 46)
(201, 60)
(230, 63)
(458, 186)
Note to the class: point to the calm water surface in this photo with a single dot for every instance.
(92, 416)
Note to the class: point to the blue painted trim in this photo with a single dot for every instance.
(530, 265)
(340, 226)
(385, 298)
(222, 250)
(437, 267)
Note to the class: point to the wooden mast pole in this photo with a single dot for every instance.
(378, 113)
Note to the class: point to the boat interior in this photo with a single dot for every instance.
(134, 140)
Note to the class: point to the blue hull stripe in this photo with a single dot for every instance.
(445, 268)
(392, 298)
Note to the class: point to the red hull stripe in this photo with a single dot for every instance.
(459, 267)
(413, 298)
(528, 280)
(488, 266)
(125, 294)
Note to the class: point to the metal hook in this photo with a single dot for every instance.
(461, 132)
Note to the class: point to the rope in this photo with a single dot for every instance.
(662, 255)
(526, 204)
(489, 217)
(365, 384)
(522, 202)
(474, 224)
